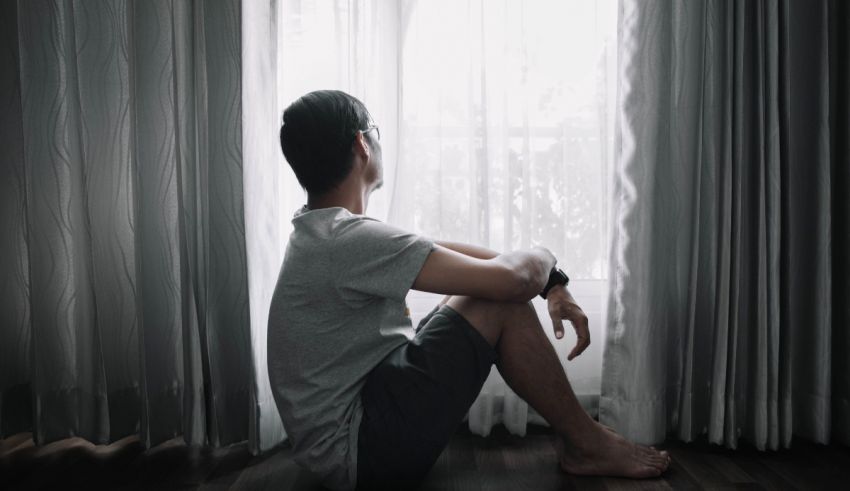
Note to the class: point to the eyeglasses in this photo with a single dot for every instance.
(373, 127)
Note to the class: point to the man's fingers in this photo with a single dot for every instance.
(581, 345)
(582, 336)
(577, 349)
(558, 326)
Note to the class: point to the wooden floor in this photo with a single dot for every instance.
(499, 462)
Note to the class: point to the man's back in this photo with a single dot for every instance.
(337, 311)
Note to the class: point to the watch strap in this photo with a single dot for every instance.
(556, 277)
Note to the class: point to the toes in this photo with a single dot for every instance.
(648, 452)
(649, 471)
(652, 451)
(659, 462)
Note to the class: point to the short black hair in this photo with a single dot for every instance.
(316, 137)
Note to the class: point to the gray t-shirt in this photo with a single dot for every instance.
(337, 311)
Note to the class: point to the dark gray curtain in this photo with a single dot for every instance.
(728, 312)
(123, 289)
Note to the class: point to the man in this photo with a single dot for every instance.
(363, 405)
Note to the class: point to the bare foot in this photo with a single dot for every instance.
(609, 454)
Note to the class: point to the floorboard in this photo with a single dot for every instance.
(470, 463)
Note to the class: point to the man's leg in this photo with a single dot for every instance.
(530, 366)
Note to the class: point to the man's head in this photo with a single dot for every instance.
(324, 134)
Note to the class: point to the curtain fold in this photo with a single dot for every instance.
(15, 401)
(126, 270)
(839, 124)
(263, 167)
(727, 313)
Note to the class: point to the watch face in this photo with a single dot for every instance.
(563, 276)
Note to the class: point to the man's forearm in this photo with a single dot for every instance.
(469, 249)
(531, 266)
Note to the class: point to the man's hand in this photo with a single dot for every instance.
(562, 305)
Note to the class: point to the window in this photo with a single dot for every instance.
(496, 117)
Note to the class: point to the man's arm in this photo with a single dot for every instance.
(461, 269)
(468, 249)
(562, 305)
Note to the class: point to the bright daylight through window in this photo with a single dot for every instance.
(496, 122)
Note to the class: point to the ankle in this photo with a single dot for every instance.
(583, 437)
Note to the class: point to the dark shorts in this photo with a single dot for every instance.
(415, 399)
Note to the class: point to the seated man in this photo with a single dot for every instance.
(365, 406)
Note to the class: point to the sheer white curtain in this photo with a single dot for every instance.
(290, 48)
(496, 122)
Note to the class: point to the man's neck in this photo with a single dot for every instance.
(354, 202)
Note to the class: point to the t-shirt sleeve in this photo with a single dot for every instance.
(374, 259)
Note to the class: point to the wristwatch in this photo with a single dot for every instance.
(556, 277)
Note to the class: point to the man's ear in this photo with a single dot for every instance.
(360, 146)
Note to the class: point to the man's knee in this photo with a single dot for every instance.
(489, 317)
